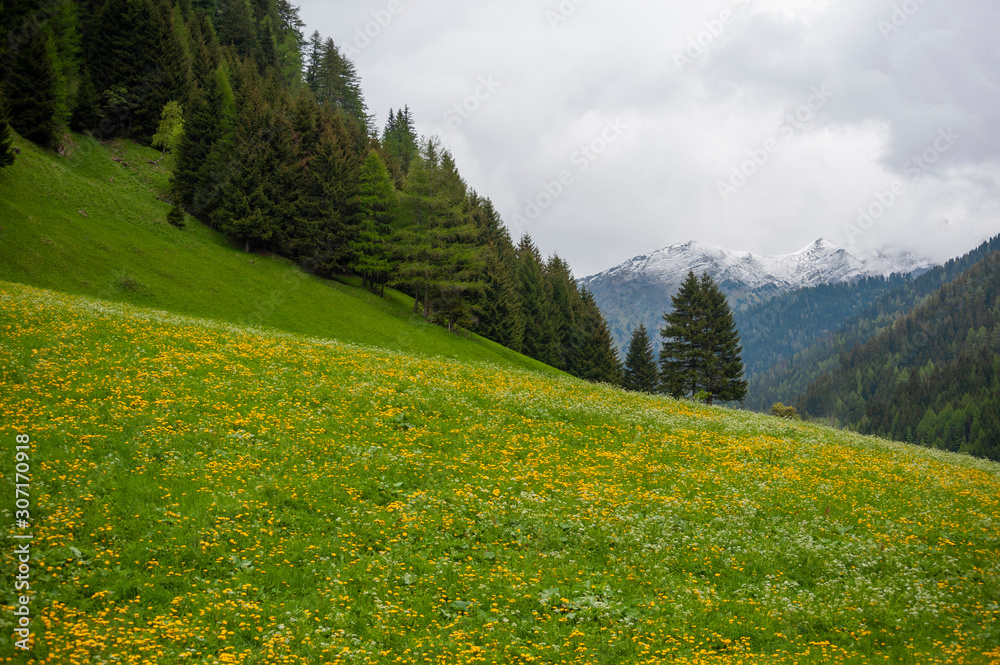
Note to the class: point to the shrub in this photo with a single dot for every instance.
(783, 411)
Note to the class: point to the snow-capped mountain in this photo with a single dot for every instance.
(639, 290)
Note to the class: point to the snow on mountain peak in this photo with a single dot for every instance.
(820, 262)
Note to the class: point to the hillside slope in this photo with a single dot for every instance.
(89, 225)
(931, 378)
(213, 494)
(789, 379)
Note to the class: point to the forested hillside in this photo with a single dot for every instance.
(775, 330)
(932, 378)
(272, 143)
(788, 380)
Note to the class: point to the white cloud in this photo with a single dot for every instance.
(656, 183)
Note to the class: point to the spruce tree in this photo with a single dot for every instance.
(724, 378)
(683, 340)
(701, 351)
(594, 356)
(562, 296)
(641, 373)
(201, 132)
(30, 88)
(540, 340)
(500, 316)
(85, 110)
(376, 208)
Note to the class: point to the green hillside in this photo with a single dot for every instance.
(789, 379)
(87, 224)
(212, 494)
(932, 378)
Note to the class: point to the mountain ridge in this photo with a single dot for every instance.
(672, 263)
(639, 290)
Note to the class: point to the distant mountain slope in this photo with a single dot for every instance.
(932, 377)
(788, 379)
(87, 225)
(639, 290)
(779, 328)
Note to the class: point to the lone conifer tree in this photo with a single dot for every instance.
(701, 348)
(641, 373)
(724, 378)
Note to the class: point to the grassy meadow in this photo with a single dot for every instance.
(86, 224)
(209, 493)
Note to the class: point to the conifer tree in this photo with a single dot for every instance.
(6, 146)
(327, 214)
(500, 317)
(594, 356)
(399, 142)
(376, 208)
(701, 350)
(137, 64)
(641, 373)
(235, 27)
(255, 206)
(540, 341)
(30, 88)
(191, 174)
(683, 336)
(562, 296)
(724, 378)
(84, 117)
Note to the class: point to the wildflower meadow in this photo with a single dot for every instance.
(207, 493)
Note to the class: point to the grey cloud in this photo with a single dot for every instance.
(690, 127)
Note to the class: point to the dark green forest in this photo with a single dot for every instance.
(275, 146)
(932, 377)
(777, 329)
(788, 379)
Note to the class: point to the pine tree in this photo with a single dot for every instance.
(701, 351)
(641, 373)
(255, 205)
(30, 88)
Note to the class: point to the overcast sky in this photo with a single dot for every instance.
(607, 129)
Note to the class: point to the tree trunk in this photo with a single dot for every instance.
(247, 245)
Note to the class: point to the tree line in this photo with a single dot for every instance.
(274, 146)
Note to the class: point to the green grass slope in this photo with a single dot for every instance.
(87, 224)
(204, 493)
